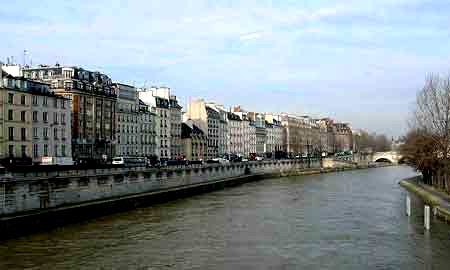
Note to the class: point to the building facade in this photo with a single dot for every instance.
(15, 115)
(274, 141)
(235, 141)
(51, 129)
(93, 108)
(293, 134)
(222, 128)
(147, 131)
(168, 130)
(208, 120)
(176, 145)
(195, 142)
(128, 121)
(343, 137)
(35, 123)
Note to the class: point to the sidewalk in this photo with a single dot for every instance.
(440, 201)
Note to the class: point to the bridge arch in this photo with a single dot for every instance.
(392, 157)
(384, 159)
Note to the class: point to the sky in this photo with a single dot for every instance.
(357, 61)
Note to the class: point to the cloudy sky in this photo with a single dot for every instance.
(357, 61)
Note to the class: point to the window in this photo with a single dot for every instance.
(35, 150)
(55, 117)
(63, 103)
(22, 116)
(55, 102)
(35, 100)
(63, 133)
(24, 150)
(35, 132)
(63, 118)
(45, 133)
(56, 150)
(44, 101)
(45, 150)
(63, 150)
(10, 98)
(10, 115)
(23, 133)
(11, 133)
(35, 116)
(45, 117)
(67, 73)
(22, 99)
(11, 150)
(55, 133)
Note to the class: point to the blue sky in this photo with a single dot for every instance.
(357, 61)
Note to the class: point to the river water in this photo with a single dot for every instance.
(345, 220)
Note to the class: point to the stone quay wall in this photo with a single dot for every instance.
(31, 192)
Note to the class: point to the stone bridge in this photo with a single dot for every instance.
(391, 156)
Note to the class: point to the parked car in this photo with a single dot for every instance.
(259, 158)
(129, 161)
(221, 160)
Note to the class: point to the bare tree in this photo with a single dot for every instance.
(431, 122)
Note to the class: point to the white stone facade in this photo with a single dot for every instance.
(159, 98)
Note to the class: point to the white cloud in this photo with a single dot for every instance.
(250, 36)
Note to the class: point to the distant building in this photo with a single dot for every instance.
(222, 127)
(209, 121)
(35, 123)
(169, 113)
(343, 137)
(327, 135)
(259, 123)
(293, 134)
(194, 141)
(127, 121)
(93, 107)
(235, 133)
(274, 140)
(148, 137)
(248, 131)
(136, 124)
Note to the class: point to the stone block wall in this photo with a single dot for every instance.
(36, 191)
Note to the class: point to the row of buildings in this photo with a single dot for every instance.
(59, 114)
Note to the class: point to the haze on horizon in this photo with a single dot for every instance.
(356, 61)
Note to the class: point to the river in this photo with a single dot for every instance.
(345, 220)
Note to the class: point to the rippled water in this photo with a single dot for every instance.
(347, 220)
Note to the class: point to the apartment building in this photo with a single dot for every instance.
(51, 128)
(159, 98)
(35, 123)
(93, 107)
(343, 137)
(148, 120)
(195, 141)
(235, 141)
(209, 120)
(222, 127)
(275, 139)
(127, 121)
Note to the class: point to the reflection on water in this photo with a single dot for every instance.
(346, 220)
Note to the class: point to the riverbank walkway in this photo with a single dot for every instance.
(436, 198)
